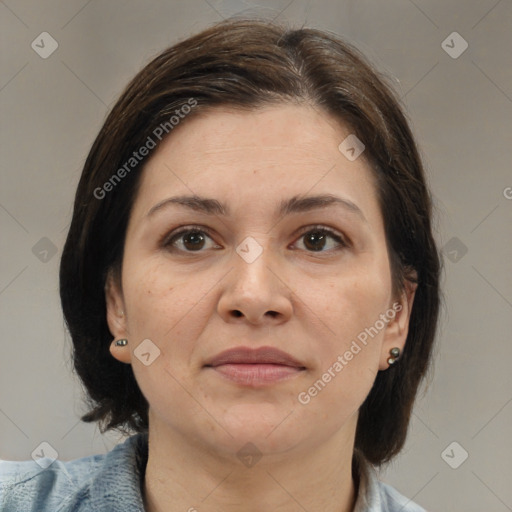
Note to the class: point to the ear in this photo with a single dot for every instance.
(116, 317)
(398, 327)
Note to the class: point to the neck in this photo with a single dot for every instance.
(183, 476)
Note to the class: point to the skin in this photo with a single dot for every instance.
(193, 305)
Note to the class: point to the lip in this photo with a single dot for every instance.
(261, 355)
(255, 367)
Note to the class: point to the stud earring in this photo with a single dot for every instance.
(395, 354)
(121, 343)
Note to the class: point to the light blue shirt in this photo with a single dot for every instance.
(111, 482)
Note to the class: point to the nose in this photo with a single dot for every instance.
(256, 293)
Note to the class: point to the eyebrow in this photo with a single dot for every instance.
(295, 204)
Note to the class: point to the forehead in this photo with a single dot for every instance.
(263, 156)
(272, 128)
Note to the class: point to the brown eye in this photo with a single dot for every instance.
(193, 240)
(188, 240)
(315, 240)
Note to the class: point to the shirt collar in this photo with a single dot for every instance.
(368, 489)
(119, 484)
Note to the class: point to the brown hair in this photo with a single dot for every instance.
(248, 64)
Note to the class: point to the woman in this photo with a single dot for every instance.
(250, 281)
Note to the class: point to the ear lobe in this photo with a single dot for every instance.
(116, 318)
(398, 328)
(121, 353)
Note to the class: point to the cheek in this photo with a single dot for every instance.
(148, 294)
(159, 307)
(348, 360)
(348, 356)
(355, 301)
(156, 294)
(168, 307)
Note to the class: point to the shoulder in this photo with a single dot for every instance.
(376, 496)
(57, 486)
(393, 501)
(46, 484)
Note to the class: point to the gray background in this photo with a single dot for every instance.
(461, 112)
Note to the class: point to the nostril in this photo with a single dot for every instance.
(237, 313)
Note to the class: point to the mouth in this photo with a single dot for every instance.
(255, 367)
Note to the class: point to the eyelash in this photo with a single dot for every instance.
(174, 236)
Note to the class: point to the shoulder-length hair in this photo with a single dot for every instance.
(248, 64)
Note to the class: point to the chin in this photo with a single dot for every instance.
(266, 425)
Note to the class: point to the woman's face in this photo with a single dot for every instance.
(255, 276)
